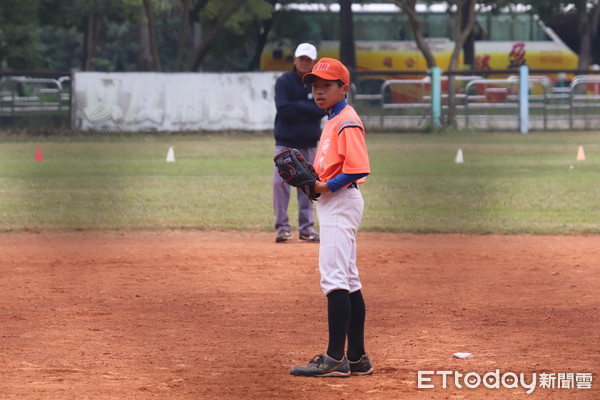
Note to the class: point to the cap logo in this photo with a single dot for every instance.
(321, 66)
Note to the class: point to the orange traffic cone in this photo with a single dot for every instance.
(38, 154)
(580, 154)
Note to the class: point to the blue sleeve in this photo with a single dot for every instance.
(342, 180)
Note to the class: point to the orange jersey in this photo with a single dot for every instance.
(342, 148)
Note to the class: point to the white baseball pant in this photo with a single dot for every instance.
(340, 215)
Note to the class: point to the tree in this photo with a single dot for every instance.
(464, 19)
(290, 27)
(19, 43)
(171, 34)
(409, 7)
(347, 49)
(185, 28)
(149, 9)
(90, 18)
(224, 14)
(469, 44)
(262, 35)
(588, 16)
(154, 9)
(463, 26)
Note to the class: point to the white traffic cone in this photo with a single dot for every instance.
(459, 157)
(171, 155)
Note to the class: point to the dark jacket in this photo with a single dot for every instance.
(298, 118)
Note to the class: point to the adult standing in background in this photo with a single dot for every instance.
(297, 125)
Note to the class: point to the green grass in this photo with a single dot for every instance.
(509, 183)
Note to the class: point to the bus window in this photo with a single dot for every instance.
(437, 26)
(375, 27)
(522, 27)
(501, 28)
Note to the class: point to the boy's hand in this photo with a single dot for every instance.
(321, 187)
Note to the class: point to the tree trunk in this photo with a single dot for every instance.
(92, 31)
(409, 7)
(145, 55)
(462, 29)
(261, 42)
(202, 50)
(588, 27)
(469, 45)
(347, 50)
(463, 26)
(185, 28)
(594, 30)
(152, 33)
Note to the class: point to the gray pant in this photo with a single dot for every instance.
(281, 199)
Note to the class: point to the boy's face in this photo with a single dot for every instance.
(328, 93)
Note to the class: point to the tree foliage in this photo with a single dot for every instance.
(213, 35)
(19, 42)
(410, 8)
(128, 35)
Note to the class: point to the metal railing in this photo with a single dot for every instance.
(584, 102)
(488, 101)
(414, 107)
(485, 104)
(21, 94)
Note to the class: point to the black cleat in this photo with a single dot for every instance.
(324, 366)
(362, 366)
(283, 236)
(311, 238)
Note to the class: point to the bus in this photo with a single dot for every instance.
(384, 40)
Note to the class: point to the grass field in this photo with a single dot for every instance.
(509, 183)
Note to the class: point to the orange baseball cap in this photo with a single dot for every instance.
(329, 69)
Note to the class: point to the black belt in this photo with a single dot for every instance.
(353, 185)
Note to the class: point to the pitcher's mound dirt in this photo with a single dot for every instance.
(211, 315)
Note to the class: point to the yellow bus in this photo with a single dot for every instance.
(384, 39)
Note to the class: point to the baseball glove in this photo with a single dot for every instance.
(297, 172)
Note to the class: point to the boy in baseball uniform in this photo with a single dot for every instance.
(342, 163)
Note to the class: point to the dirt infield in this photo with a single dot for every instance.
(211, 315)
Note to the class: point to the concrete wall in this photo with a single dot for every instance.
(142, 102)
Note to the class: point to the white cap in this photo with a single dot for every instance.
(306, 49)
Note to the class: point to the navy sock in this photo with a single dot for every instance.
(356, 327)
(338, 317)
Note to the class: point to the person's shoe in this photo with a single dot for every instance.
(311, 237)
(283, 236)
(361, 367)
(324, 366)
